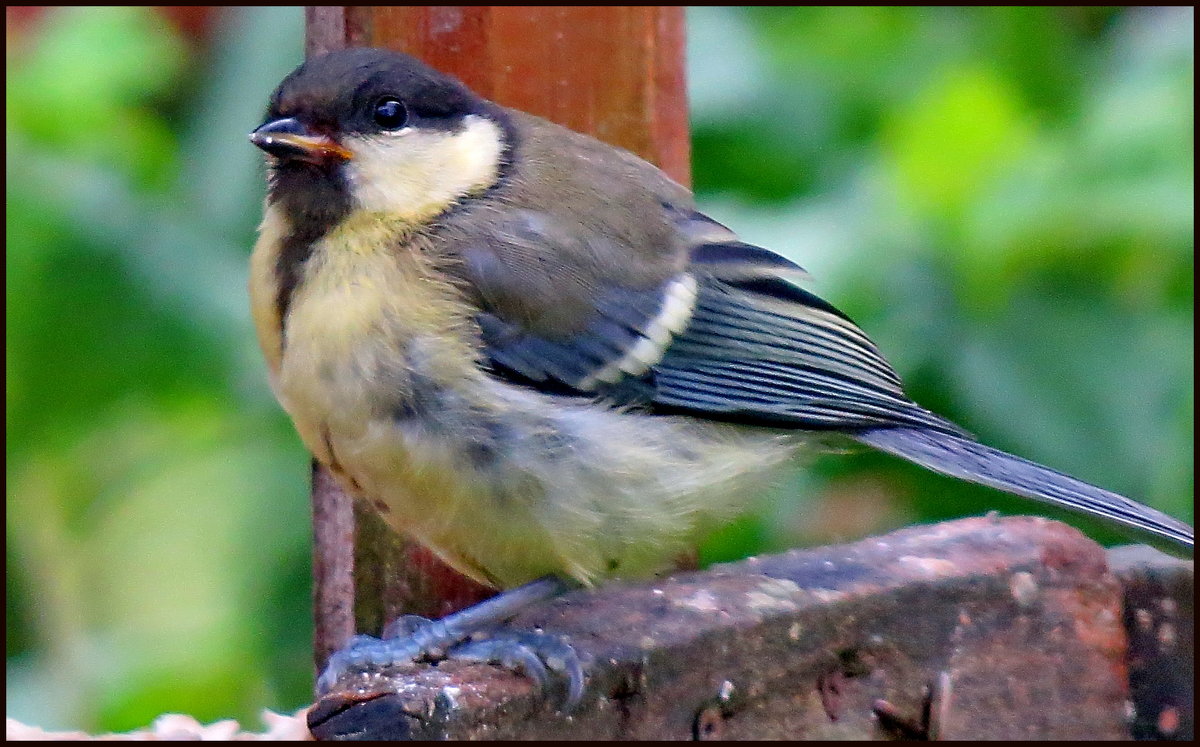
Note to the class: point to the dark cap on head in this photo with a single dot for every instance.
(336, 92)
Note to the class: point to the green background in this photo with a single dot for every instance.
(1003, 198)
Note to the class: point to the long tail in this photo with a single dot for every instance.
(970, 460)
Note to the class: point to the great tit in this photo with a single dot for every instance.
(531, 353)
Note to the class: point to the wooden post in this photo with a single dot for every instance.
(613, 72)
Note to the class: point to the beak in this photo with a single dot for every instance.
(289, 139)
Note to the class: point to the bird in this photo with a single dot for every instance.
(530, 352)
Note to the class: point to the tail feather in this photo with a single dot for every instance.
(975, 462)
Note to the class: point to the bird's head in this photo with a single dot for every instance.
(377, 131)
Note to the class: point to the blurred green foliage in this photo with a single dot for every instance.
(1002, 197)
(158, 533)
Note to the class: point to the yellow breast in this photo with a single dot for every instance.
(372, 332)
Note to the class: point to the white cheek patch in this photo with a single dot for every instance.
(414, 174)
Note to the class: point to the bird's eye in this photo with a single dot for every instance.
(390, 113)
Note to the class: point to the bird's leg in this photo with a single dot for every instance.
(413, 638)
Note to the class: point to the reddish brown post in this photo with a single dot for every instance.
(613, 72)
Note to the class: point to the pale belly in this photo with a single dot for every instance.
(507, 485)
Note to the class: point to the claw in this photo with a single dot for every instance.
(365, 652)
(535, 655)
(508, 654)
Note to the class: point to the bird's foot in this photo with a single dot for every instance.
(550, 662)
(472, 634)
(408, 639)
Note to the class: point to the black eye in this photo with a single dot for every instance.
(390, 113)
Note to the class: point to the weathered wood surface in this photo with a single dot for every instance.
(999, 628)
(1160, 619)
(615, 72)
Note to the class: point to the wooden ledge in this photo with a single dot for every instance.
(1000, 628)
